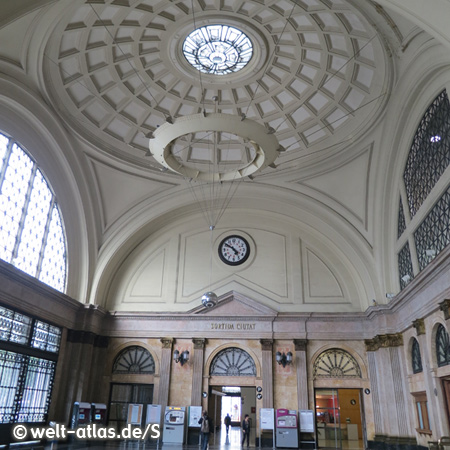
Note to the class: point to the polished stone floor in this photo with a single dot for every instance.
(218, 441)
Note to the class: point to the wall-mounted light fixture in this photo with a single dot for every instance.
(182, 357)
(431, 253)
(284, 359)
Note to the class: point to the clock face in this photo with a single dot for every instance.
(234, 250)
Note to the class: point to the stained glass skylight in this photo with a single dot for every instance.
(31, 232)
(218, 49)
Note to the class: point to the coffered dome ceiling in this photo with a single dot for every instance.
(317, 77)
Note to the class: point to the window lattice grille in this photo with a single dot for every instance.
(336, 363)
(405, 267)
(14, 327)
(416, 358)
(46, 337)
(442, 350)
(401, 220)
(31, 232)
(11, 374)
(25, 387)
(134, 360)
(429, 155)
(433, 234)
(38, 383)
(233, 362)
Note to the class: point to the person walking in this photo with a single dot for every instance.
(227, 422)
(205, 429)
(246, 430)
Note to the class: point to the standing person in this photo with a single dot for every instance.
(246, 430)
(205, 429)
(227, 421)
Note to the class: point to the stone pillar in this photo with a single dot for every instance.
(267, 372)
(166, 361)
(302, 373)
(393, 422)
(197, 375)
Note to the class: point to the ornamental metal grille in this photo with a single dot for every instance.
(31, 231)
(405, 268)
(11, 374)
(134, 360)
(14, 327)
(35, 395)
(416, 358)
(233, 362)
(442, 350)
(46, 337)
(218, 49)
(429, 155)
(433, 234)
(336, 363)
(25, 387)
(401, 220)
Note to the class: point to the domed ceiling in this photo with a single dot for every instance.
(317, 77)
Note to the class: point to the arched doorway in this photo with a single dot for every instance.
(232, 391)
(339, 403)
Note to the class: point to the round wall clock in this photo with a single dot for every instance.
(234, 250)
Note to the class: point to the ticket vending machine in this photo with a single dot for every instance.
(286, 428)
(81, 414)
(174, 418)
(98, 413)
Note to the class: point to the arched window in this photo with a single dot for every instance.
(429, 155)
(336, 363)
(428, 159)
(442, 350)
(134, 360)
(233, 362)
(31, 230)
(415, 357)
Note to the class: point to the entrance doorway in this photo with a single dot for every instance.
(237, 401)
(339, 419)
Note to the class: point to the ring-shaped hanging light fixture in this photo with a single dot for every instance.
(266, 146)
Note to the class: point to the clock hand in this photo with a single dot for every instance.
(232, 248)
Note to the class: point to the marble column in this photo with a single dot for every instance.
(302, 373)
(166, 361)
(267, 372)
(197, 375)
(389, 389)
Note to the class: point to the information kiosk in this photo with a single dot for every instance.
(174, 425)
(194, 415)
(287, 428)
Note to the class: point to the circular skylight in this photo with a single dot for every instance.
(218, 49)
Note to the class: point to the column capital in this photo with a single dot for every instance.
(266, 344)
(419, 325)
(445, 307)
(166, 342)
(199, 343)
(384, 341)
(300, 345)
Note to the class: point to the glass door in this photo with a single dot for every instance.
(328, 420)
